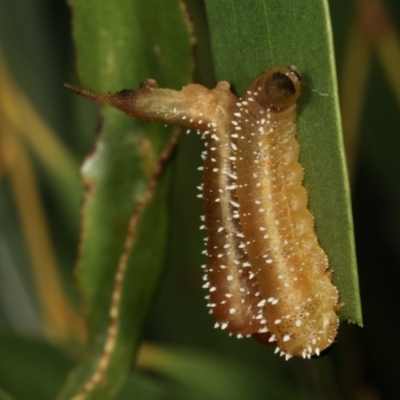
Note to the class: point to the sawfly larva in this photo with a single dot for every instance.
(266, 274)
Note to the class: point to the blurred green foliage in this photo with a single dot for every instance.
(37, 48)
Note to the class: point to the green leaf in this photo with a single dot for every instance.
(30, 368)
(119, 44)
(249, 36)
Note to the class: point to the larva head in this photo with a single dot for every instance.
(277, 88)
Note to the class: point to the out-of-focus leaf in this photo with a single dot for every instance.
(4, 395)
(60, 165)
(249, 36)
(215, 378)
(60, 320)
(122, 246)
(30, 369)
(145, 387)
(140, 387)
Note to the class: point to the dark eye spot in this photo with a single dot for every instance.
(284, 82)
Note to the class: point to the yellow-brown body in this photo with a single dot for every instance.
(266, 274)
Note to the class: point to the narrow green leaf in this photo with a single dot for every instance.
(248, 36)
(119, 44)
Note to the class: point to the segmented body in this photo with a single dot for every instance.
(266, 273)
(290, 266)
(234, 293)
